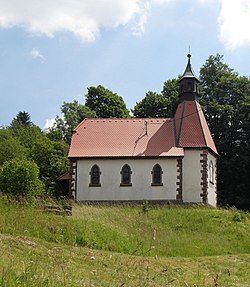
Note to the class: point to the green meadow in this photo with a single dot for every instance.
(140, 245)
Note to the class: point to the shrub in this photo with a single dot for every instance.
(20, 177)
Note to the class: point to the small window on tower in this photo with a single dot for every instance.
(196, 88)
(211, 172)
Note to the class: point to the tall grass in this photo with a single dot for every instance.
(162, 231)
(131, 246)
(26, 262)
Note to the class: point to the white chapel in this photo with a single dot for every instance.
(154, 159)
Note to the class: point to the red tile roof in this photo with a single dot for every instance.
(191, 126)
(143, 137)
(124, 138)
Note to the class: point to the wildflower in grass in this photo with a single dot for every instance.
(154, 234)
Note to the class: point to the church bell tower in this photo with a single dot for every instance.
(189, 84)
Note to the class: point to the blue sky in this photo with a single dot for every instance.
(51, 51)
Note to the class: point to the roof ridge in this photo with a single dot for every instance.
(126, 119)
(199, 110)
(181, 123)
(208, 139)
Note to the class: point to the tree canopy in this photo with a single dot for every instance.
(20, 143)
(22, 119)
(52, 161)
(10, 147)
(161, 105)
(72, 114)
(152, 106)
(105, 103)
(20, 177)
(225, 100)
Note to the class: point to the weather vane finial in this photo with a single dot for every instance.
(189, 52)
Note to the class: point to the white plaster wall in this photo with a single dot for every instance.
(191, 188)
(212, 187)
(141, 179)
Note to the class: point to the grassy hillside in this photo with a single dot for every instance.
(165, 246)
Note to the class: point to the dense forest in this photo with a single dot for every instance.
(31, 160)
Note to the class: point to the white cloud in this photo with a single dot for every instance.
(35, 53)
(234, 21)
(83, 18)
(49, 124)
(86, 18)
(208, 1)
(160, 2)
(140, 23)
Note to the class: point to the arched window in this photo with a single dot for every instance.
(157, 175)
(126, 175)
(211, 172)
(95, 176)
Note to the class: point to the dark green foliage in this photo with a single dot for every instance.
(72, 114)
(26, 135)
(105, 103)
(10, 147)
(20, 177)
(23, 119)
(171, 92)
(152, 106)
(226, 103)
(159, 105)
(51, 158)
(28, 142)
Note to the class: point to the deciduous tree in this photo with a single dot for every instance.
(20, 177)
(170, 92)
(105, 103)
(72, 114)
(10, 147)
(152, 106)
(162, 105)
(225, 99)
(51, 158)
